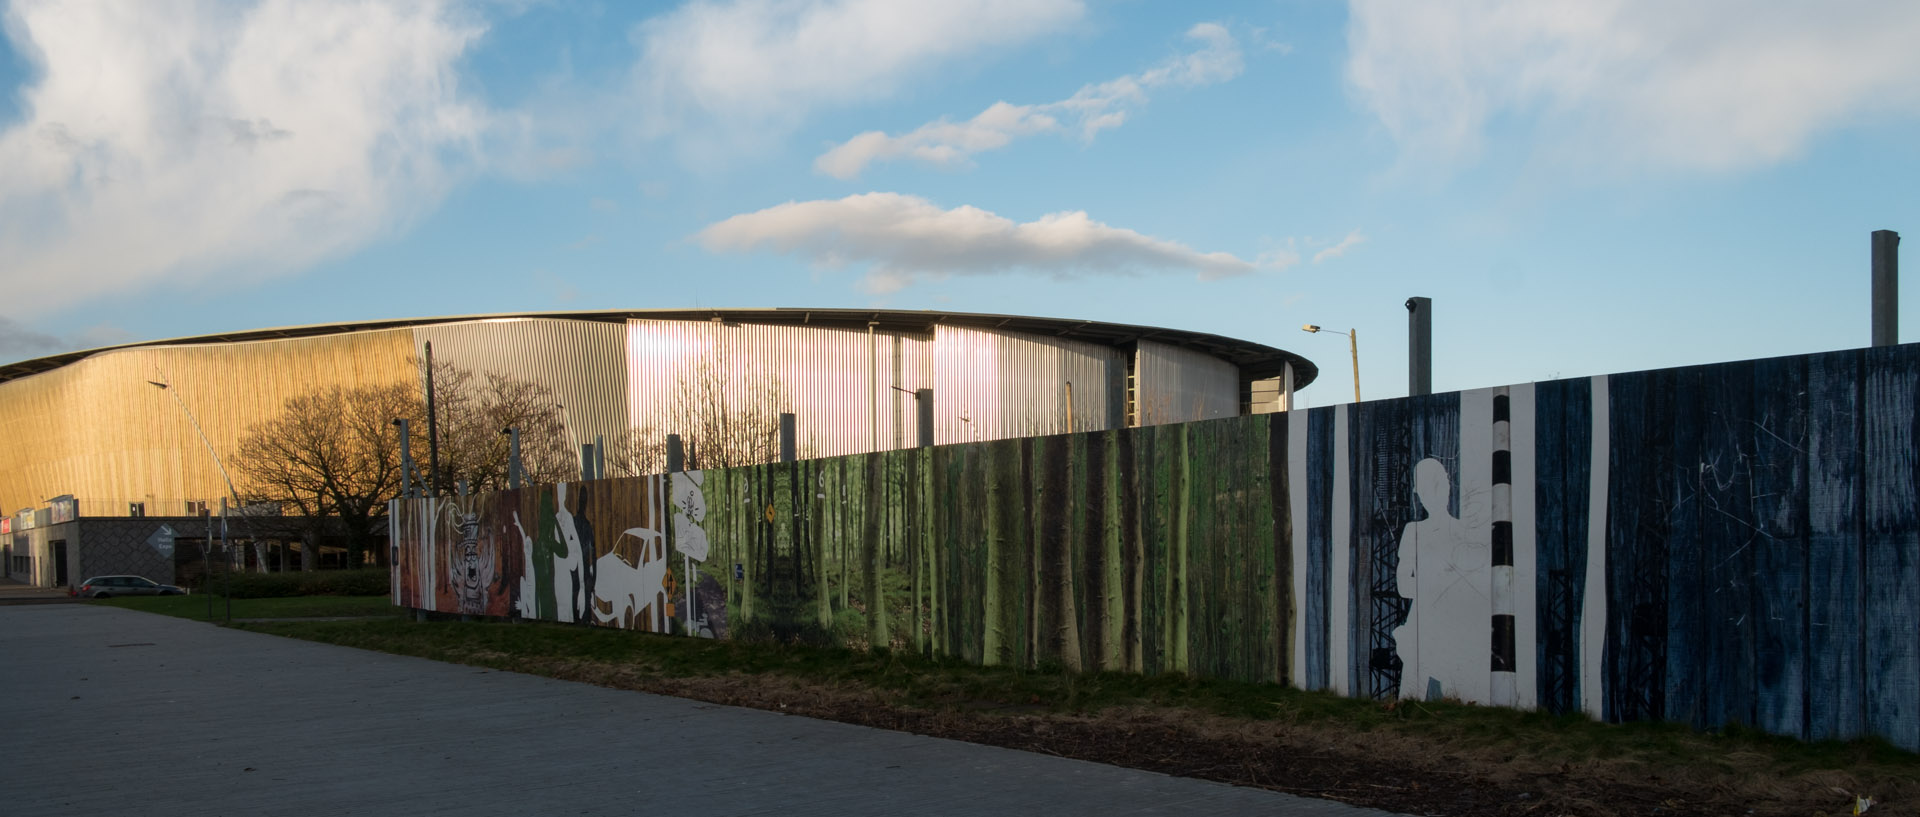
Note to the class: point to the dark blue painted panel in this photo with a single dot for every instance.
(1381, 509)
(1727, 539)
(1319, 541)
(1686, 558)
(1779, 498)
(1639, 499)
(1563, 464)
(1835, 684)
(1433, 424)
(1892, 536)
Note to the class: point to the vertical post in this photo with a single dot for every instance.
(1419, 346)
(1353, 345)
(514, 472)
(676, 455)
(229, 555)
(599, 456)
(433, 431)
(788, 448)
(586, 461)
(1886, 288)
(206, 566)
(1069, 407)
(406, 459)
(923, 406)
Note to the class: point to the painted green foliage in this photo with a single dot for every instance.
(1158, 549)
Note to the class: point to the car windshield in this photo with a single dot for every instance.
(136, 581)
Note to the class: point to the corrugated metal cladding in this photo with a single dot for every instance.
(584, 362)
(99, 430)
(1178, 385)
(992, 385)
(843, 385)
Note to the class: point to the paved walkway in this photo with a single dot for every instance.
(108, 711)
(15, 592)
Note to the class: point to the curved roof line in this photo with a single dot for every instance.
(1255, 360)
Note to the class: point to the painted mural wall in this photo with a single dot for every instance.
(1716, 544)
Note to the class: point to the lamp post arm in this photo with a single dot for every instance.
(228, 478)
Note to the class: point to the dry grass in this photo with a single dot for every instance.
(1425, 758)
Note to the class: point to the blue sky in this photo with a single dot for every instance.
(1581, 188)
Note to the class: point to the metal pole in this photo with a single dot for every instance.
(206, 565)
(513, 457)
(586, 461)
(788, 452)
(229, 555)
(433, 431)
(923, 402)
(1419, 346)
(407, 470)
(1886, 288)
(676, 455)
(1069, 407)
(224, 476)
(1353, 345)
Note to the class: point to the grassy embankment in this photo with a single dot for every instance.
(195, 607)
(319, 594)
(1489, 753)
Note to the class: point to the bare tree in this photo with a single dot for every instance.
(331, 453)
(334, 453)
(725, 418)
(475, 408)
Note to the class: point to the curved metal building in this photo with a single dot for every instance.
(93, 424)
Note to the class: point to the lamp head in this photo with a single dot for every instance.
(1310, 328)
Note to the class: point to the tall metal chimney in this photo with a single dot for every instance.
(1419, 346)
(1886, 288)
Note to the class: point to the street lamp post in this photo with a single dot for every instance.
(224, 476)
(1353, 345)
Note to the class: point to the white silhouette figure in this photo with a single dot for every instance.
(1445, 569)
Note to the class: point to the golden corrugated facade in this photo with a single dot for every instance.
(99, 430)
(91, 424)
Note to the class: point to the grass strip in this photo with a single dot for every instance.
(195, 607)
(1481, 748)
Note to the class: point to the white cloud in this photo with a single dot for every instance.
(1090, 110)
(907, 238)
(1711, 84)
(737, 70)
(1353, 239)
(184, 141)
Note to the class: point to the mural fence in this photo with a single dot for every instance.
(1720, 544)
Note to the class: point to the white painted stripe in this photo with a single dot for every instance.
(1526, 652)
(1593, 610)
(1456, 640)
(1339, 563)
(1503, 688)
(1297, 503)
(1502, 590)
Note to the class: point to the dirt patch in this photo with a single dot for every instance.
(1380, 769)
